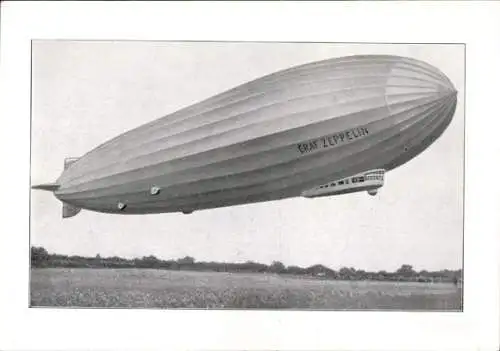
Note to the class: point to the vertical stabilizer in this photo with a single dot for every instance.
(69, 210)
(69, 161)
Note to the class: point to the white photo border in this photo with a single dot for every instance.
(474, 24)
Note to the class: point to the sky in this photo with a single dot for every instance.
(84, 93)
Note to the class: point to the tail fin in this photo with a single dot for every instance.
(54, 186)
(47, 186)
(69, 161)
(69, 210)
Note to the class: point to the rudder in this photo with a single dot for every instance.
(69, 210)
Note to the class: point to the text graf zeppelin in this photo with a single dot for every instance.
(332, 140)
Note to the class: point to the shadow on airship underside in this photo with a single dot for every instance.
(268, 139)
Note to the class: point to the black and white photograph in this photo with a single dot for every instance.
(247, 175)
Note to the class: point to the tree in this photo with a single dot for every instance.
(147, 262)
(39, 256)
(277, 267)
(360, 274)
(295, 270)
(150, 258)
(406, 270)
(320, 270)
(347, 273)
(186, 260)
(251, 266)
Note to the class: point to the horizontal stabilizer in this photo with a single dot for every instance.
(70, 210)
(47, 186)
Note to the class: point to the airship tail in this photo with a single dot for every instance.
(68, 210)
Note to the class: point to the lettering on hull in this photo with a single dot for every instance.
(332, 140)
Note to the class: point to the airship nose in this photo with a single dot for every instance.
(421, 101)
(415, 83)
(446, 87)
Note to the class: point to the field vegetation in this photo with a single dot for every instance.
(40, 258)
(156, 288)
(149, 282)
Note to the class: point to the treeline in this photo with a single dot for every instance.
(40, 258)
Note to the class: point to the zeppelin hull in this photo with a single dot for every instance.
(269, 139)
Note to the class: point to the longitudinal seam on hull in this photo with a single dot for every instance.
(353, 160)
(358, 66)
(359, 63)
(416, 117)
(393, 142)
(163, 152)
(422, 145)
(147, 129)
(402, 112)
(231, 121)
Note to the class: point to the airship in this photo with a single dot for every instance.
(322, 128)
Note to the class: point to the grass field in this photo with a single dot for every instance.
(148, 288)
